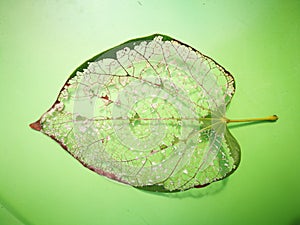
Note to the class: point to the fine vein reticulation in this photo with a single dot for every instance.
(148, 113)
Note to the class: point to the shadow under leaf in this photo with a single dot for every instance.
(210, 189)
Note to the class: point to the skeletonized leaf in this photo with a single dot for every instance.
(149, 113)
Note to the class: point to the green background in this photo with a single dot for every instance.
(42, 42)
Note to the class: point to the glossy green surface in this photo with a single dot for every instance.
(41, 43)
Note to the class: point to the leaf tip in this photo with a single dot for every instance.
(36, 125)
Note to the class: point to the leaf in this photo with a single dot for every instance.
(149, 113)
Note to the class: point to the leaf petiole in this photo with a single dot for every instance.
(269, 118)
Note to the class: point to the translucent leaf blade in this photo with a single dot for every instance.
(148, 112)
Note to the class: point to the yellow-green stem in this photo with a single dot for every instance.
(269, 118)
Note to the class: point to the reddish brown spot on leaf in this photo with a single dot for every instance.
(105, 97)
